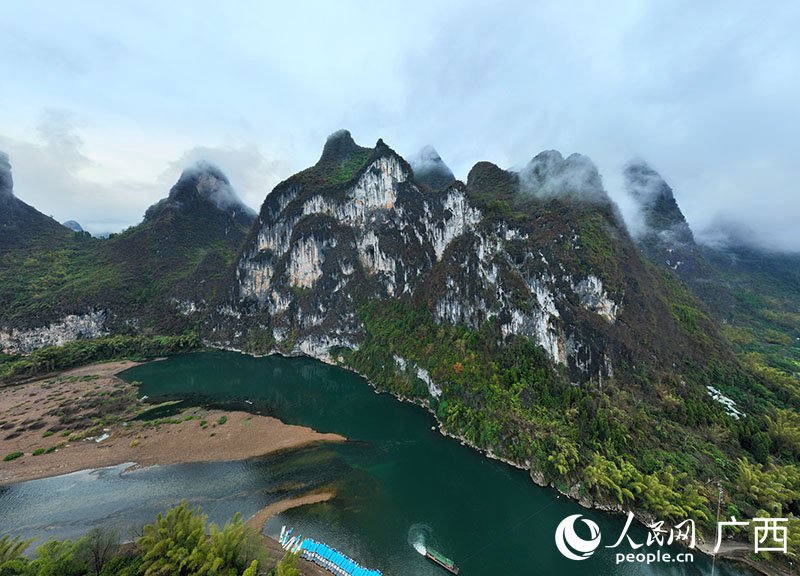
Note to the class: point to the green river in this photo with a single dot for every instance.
(395, 479)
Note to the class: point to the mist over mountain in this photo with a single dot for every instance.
(550, 175)
(516, 306)
(659, 212)
(182, 249)
(204, 182)
(23, 226)
(6, 181)
(430, 169)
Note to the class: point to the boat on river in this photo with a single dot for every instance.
(441, 560)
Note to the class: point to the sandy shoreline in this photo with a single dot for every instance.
(260, 518)
(61, 416)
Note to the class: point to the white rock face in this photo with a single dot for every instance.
(422, 374)
(278, 303)
(305, 262)
(459, 217)
(371, 256)
(69, 328)
(375, 261)
(375, 189)
(276, 237)
(254, 277)
(595, 299)
(255, 274)
(400, 361)
(544, 296)
(539, 325)
(433, 389)
(319, 347)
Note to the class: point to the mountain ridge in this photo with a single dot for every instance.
(131, 281)
(516, 306)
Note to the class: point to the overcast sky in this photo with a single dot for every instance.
(103, 103)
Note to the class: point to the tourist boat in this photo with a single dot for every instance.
(441, 560)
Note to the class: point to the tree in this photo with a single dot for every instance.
(12, 548)
(59, 559)
(100, 545)
(176, 544)
(288, 566)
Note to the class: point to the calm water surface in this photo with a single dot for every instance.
(396, 476)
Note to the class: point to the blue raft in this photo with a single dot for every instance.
(322, 555)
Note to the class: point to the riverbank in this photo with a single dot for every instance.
(731, 551)
(260, 518)
(83, 418)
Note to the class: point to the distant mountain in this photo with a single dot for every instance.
(21, 225)
(753, 293)
(516, 306)
(181, 251)
(201, 187)
(717, 273)
(73, 225)
(666, 239)
(430, 169)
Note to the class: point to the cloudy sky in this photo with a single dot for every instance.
(103, 103)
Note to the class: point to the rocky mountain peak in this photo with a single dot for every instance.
(6, 181)
(656, 202)
(339, 146)
(203, 181)
(645, 184)
(430, 169)
(664, 235)
(485, 171)
(550, 175)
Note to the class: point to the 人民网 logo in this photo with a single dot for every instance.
(573, 546)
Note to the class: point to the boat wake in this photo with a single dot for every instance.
(418, 537)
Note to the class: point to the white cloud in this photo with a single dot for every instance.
(58, 175)
(699, 90)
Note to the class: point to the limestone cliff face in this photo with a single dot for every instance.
(69, 328)
(317, 251)
(358, 227)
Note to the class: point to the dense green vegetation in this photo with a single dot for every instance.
(82, 352)
(341, 161)
(182, 250)
(648, 436)
(658, 444)
(179, 543)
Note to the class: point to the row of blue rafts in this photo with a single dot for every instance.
(322, 555)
